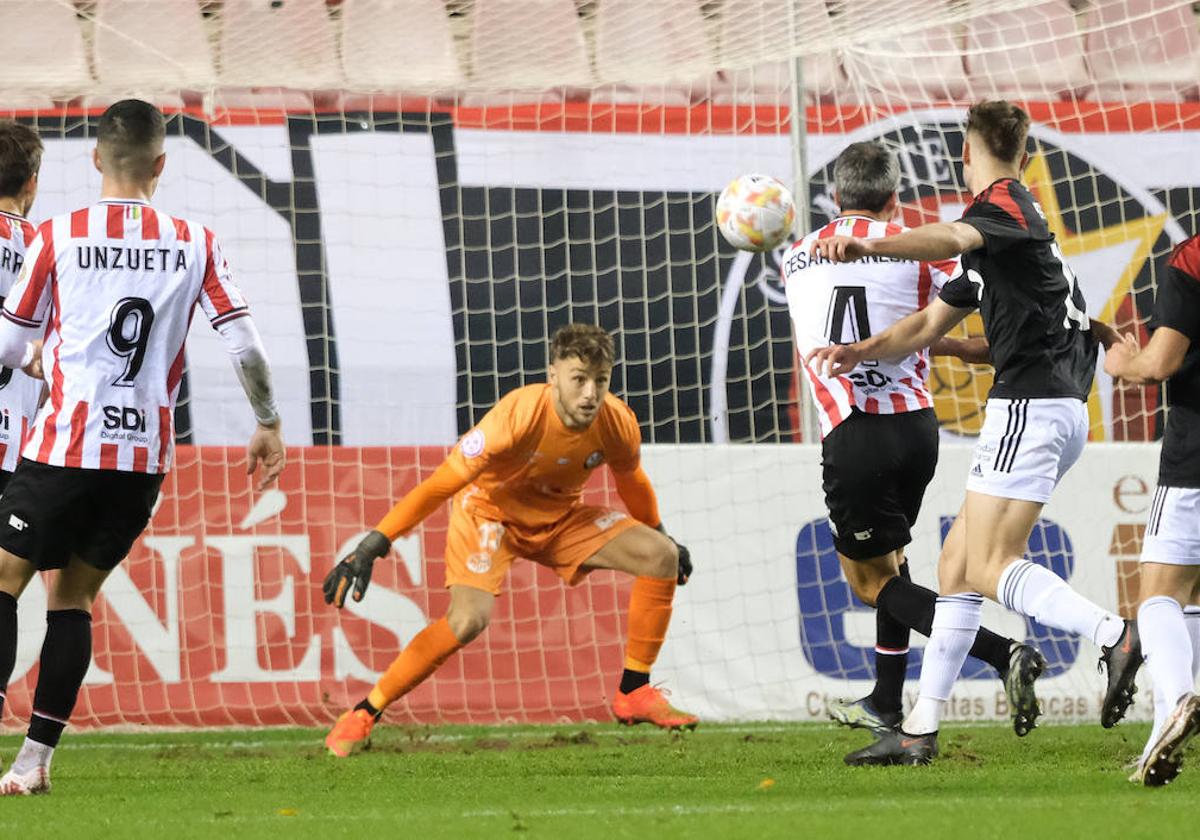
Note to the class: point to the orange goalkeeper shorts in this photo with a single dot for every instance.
(479, 551)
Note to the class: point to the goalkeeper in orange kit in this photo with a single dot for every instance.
(516, 482)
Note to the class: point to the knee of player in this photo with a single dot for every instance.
(867, 589)
(665, 558)
(467, 624)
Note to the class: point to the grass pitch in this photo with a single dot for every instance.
(598, 781)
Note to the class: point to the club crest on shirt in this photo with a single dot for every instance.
(594, 460)
(472, 443)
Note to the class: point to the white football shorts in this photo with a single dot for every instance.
(1027, 446)
(1173, 527)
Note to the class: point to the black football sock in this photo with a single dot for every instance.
(366, 706)
(913, 606)
(66, 654)
(8, 643)
(891, 662)
(633, 680)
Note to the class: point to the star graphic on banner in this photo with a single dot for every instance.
(1106, 261)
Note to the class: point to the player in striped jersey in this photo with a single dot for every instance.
(20, 394)
(880, 435)
(1170, 567)
(1043, 346)
(112, 288)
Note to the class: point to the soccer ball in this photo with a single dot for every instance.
(755, 213)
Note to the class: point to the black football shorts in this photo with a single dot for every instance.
(49, 514)
(875, 471)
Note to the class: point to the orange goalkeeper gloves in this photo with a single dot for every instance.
(355, 569)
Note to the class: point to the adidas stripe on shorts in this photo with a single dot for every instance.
(1027, 446)
(1173, 527)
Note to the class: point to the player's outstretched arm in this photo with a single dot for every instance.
(636, 491)
(354, 570)
(249, 358)
(1157, 361)
(1105, 333)
(973, 351)
(927, 243)
(908, 335)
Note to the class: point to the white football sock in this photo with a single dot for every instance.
(1161, 709)
(956, 620)
(1166, 646)
(33, 754)
(1037, 592)
(1191, 616)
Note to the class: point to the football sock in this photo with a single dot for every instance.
(1161, 710)
(955, 623)
(366, 706)
(891, 658)
(8, 642)
(33, 754)
(1166, 646)
(1191, 615)
(423, 655)
(633, 680)
(1038, 593)
(66, 654)
(912, 605)
(649, 616)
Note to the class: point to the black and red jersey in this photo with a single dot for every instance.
(1034, 314)
(1177, 306)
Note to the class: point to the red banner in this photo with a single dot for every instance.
(217, 618)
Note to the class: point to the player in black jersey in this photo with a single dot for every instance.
(1170, 568)
(1043, 347)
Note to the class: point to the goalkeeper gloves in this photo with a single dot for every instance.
(685, 557)
(355, 569)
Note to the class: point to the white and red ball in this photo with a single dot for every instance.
(755, 213)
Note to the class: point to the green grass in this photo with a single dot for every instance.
(597, 781)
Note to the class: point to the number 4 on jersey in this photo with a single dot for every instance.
(853, 298)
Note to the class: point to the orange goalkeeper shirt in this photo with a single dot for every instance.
(523, 467)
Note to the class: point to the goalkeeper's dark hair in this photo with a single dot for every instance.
(866, 176)
(130, 136)
(590, 344)
(20, 157)
(1002, 126)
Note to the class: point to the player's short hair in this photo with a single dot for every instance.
(1002, 126)
(130, 136)
(590, 344)
(20, 157)
(866, 175)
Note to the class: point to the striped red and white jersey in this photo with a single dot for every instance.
(19, 394)
(839, 303)
(116, 285)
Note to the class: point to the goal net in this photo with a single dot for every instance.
(415, 193)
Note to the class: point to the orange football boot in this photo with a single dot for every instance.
(351, 733)
(648, 704)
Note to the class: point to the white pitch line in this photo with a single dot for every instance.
(84, 741)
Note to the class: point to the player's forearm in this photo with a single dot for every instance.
(423, 500)
(973, 351)
(253, 370)
(1105, 334)
(907, 335)
(637, 493)
(927, 243)
(16, 344)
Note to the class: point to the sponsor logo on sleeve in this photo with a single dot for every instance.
(472, 443)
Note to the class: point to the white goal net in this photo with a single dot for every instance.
(415, 193)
